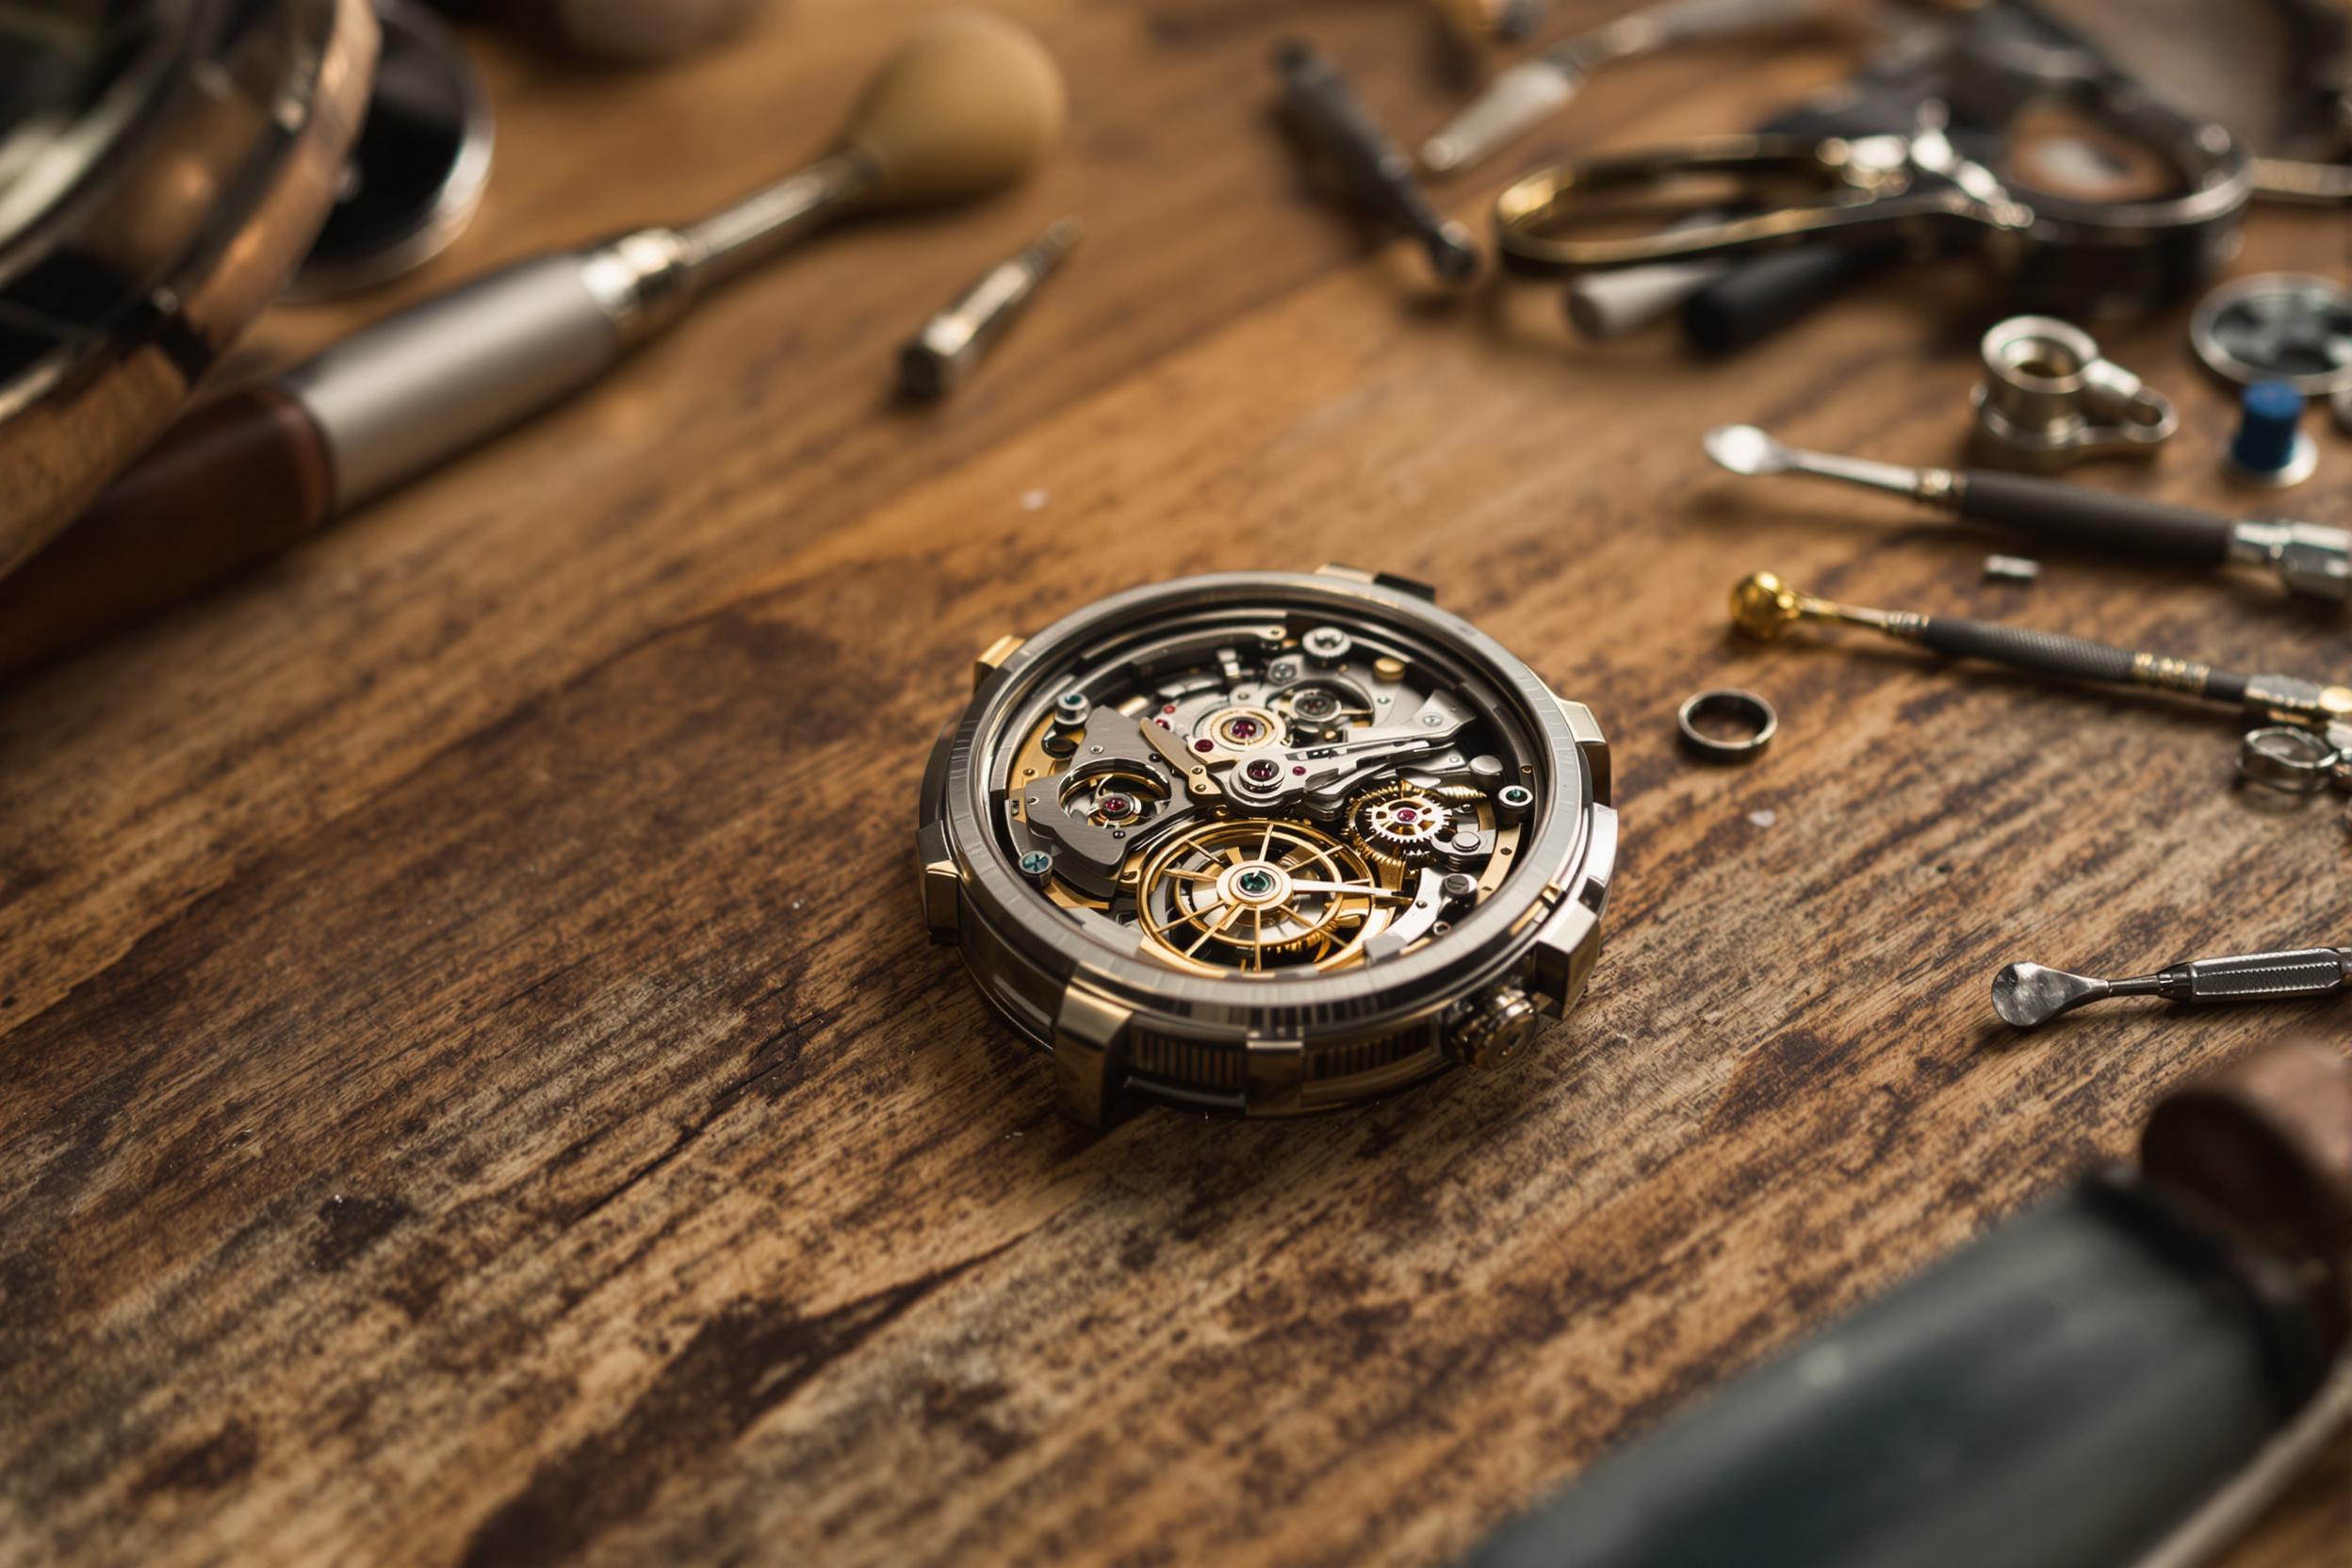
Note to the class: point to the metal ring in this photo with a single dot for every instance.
(1726, 702)
(2293, 762)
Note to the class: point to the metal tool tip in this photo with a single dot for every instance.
(1745, 450)
(1439, 156)
(1453, 254)
(1763, 606)
(2027, 995)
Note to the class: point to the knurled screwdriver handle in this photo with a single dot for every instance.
(2263, 976)
(2052, 511)
(2024, 648)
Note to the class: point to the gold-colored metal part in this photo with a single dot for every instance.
(1763, 606)
(1100, 791)
(943, 900)
(1399, 823)
(1390, 670)
(2171, 675)
(1239, 729)
(1241, 894)
(992, 658)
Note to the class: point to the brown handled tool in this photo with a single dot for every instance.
(236, 480)
(966, 107)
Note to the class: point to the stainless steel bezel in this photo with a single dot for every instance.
(1536, 933)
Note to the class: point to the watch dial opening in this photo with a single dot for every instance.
(1266, 793)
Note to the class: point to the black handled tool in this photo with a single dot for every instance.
(2309, 558)
(1764, 607)
(2127, 1374)
(1328, 113)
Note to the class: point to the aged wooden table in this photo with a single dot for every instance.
(476, 1088)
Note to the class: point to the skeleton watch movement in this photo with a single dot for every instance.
(1267, 842)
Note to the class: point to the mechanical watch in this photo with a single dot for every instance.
(1267, 842)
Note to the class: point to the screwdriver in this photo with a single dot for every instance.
(966, 107)
(2309, 558)
(1328, 114)
(1764, 607)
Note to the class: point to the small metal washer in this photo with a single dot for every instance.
(1726, 702)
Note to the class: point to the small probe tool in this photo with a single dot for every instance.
(2030, 995)
(2309, 558)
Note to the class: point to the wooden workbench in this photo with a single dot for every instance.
(476, 1086)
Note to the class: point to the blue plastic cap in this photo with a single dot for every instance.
(2270, 415)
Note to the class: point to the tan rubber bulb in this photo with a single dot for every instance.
(968, 106)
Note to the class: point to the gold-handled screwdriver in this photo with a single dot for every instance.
(1764, 607)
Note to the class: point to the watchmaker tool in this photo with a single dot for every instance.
(2278, 326)
(2030, 995)
(2309, 558)
(951, 344)
(2129, 1373)
(1764, 607)
(1521, 97)
(2050, 398)
(966, 107)
(1328, 114)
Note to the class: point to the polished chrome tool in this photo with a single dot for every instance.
(2030, 995)
(968, 106)
(1328, 114)
(2309, 558)
(953, 343)
(1520, 98)
(2049, 398)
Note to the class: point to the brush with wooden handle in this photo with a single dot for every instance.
(966, 107)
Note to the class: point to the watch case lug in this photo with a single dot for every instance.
(1378, 579)
(992, 658)
(1091, 1056)
(1569, 940)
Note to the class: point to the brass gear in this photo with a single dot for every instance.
(1399, 824)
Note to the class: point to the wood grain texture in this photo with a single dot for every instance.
(478, 1090)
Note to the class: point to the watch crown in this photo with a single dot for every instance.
(1493, 1029)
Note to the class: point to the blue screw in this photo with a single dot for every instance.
(2270, 446)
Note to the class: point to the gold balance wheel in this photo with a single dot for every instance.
(1254, 894)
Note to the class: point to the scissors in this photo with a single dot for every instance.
(2084, 187)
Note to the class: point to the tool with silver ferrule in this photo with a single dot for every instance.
(2030, 995)
(1519, 99)
(966, 107)
(1764, 607)
(2309, 558)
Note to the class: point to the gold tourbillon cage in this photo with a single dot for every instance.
(1267, 842)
